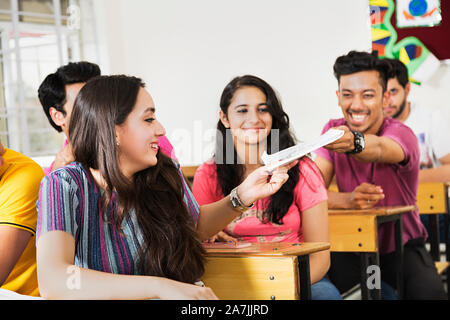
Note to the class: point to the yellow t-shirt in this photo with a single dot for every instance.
(20, 178)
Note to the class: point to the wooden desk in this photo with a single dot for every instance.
(357, 231)
(189, 172)
(447, 236)
(261, 271)
(432, 200)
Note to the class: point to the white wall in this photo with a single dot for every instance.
(187, 51)
(435, 92)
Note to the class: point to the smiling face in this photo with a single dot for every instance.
(248, 116)
(361, 99)
(397, 99)
(137, 137)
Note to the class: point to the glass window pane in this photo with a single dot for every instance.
(5, 5)
(36, 6)
(41, 7)
(23, 124)
(39, 57)
(43, 138)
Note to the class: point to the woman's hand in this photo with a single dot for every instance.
(175, 290)
(261, 184)
(221, 237)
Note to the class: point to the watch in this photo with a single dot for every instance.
(237, 203)
(359, 143)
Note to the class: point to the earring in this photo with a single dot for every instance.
(118, 143)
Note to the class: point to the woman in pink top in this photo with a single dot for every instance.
(252, 121)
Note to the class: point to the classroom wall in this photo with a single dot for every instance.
(187, 51)
(435, 92)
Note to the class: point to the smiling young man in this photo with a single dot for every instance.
(376, 163)
(57, 94)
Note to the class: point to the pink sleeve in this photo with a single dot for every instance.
(310, 189)
(324, 153)
(166, 147)
(205, 186)
(407, 140)
(49, 169)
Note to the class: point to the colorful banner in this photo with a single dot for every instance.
(421, 63)
(418, 13)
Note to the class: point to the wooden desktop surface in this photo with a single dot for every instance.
(378, 211)
(270, 249)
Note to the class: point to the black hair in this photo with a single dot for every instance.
(357, 61)
(231, 175)
(169, 246)
(52, 91)
(399, 71)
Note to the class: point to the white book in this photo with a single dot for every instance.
(299, 150)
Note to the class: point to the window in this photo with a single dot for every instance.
(36, 37)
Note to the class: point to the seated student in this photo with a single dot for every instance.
(251, 121)
(120, 221)
(376, 163)
(57, 95)
(429, 125)
(19, 187)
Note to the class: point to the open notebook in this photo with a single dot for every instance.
(226, 245)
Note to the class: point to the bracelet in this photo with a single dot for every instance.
(237, 203)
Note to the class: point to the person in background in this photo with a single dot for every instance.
(430, 127)
(57, 94)
(252, 121)
(376, 163)
(19, 187)
(120, 222)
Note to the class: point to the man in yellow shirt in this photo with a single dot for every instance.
(19, 188)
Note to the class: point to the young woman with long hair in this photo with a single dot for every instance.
(120, 221)
(252, 121)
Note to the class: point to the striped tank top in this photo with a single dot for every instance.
(70, 201)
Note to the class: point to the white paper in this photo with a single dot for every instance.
(295, 152)
(11, 295)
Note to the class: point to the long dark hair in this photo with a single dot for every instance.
(229, 174)
(170, 247)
